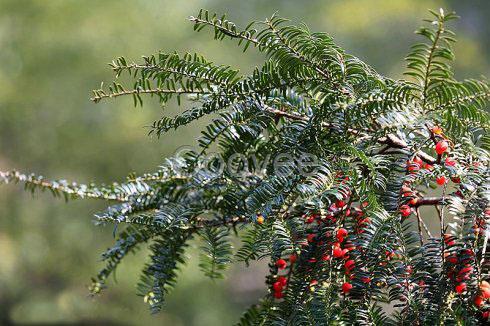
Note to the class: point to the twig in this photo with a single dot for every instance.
(419, 223)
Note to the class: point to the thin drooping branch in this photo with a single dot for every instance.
(99, 95)
(422, 223)
(72, 190)
(233, 34)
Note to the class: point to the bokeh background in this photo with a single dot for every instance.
(52, 53)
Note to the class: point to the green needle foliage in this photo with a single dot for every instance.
(319, 164)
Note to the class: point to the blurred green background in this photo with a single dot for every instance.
(52, 53)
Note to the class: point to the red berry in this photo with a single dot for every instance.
(413, 201)
(310, 237)
(466, 270)
(293, 258)
(283, 280)
(485, 315)
(450, 162)
(407, 194)
(346, 287)
(485, 292)
(349, 264)
(281, 264)
(341, 234)
(364, 221)
(277, 286)
(278, 295)
(418, 161)
(478, 301)
(441, 180)
(412, 167)
(441, 147)
(405, 210)
(451, 243)
(313, 282)
(456, 179)
(338, 253)
(366, 279)
(326, 257)
(340, 203)
(460, 288)
(309, 219)
(484, 284)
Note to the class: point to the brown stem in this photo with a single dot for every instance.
(419, 224)
(429, 201)
(441, 224)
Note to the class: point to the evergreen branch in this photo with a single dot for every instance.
(68, 190)
(100, 94)
(463, 100)
(338, 234)
(296, 53)
(430, 57)
(216, 252)
(223, 26)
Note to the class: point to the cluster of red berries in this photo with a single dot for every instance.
(278, 287)
(405, 210)
(331, 218)
(340, 246)
(460, 270)
(417, 164)
(336, 246)
(441, 147)
(280, 283)
(343, 253)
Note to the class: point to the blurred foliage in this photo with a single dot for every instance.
(54, 52)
